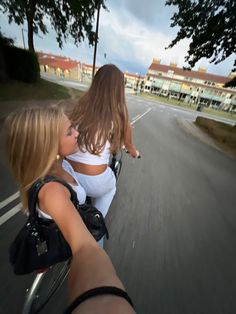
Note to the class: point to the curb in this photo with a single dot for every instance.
(195, 131)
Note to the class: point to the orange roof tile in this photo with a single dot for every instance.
(46, 61)
(63, 64)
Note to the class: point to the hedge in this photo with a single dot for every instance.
(20, 64)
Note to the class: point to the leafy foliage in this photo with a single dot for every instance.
(5, 40)
(211, 26)
(66, 17)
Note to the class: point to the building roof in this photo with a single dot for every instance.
(46, 61)
(188, 73)
(226, 90)
(133, 75)
(42, 55)
(64, 64)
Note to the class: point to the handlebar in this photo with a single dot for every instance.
(138, 157)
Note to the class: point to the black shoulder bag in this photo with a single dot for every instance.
(40, 243)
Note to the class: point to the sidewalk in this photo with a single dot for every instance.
(194, 130)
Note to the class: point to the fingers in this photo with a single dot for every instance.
(137, 154)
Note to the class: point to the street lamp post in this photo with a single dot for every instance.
(23, 38)
(96, 40)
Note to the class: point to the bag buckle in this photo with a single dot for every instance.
(42, 248)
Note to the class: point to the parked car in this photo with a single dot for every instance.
(128, 85)
(215, 107)
(174, 95)
(164, 93)
(200, 107)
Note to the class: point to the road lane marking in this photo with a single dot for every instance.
(10, 214)
(134, 118)
(9, 200)
(140, 116)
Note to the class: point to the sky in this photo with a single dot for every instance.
(131, 34)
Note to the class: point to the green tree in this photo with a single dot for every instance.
(67, 17)
(5, 40)
(211, 26)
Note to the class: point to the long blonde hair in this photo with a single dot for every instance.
(101, 113)
(32, 141)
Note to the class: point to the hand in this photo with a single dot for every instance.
(137, 154)
(134, 153)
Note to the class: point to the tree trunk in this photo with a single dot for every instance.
(30, 19)
(30, 36)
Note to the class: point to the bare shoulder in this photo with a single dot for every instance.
(53, 192)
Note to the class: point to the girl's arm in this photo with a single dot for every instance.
(84, 274)
(54, 200)
(91, 267)
(129, 143)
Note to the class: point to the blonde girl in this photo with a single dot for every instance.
(37, 140)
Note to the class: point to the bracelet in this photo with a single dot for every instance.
(95, 292)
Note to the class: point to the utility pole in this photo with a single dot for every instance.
(96, 40)
(22, 30)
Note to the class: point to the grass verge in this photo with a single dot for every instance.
(15, 94)
(42, 90)
(223, 134)
(182, 104)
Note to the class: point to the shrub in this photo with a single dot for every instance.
(222, 132)
(21, 65)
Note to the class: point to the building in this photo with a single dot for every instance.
(65, 67)
(59, 66)
(198, 87)
(134, 81)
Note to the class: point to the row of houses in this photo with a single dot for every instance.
(197, 87)
(64, 67)
(71, 69)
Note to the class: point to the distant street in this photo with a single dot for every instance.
(172, 223)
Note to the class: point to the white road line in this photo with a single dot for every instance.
(9, 200)
(9, 214)
(134, 118)
(139, 117)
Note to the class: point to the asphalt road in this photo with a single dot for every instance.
(172, 223)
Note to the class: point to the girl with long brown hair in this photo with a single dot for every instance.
(101, 117)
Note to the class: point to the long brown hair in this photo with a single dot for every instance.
(101, 113)
(32, 141)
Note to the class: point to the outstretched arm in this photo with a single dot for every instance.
(129, 142)
(91, 267)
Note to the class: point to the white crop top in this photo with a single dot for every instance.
(91, 159)
(81, 194)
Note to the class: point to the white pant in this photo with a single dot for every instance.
(101, 188)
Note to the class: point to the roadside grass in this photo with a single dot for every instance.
(15, 94)
(42, 90)
(224, 134)
(182, 104)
